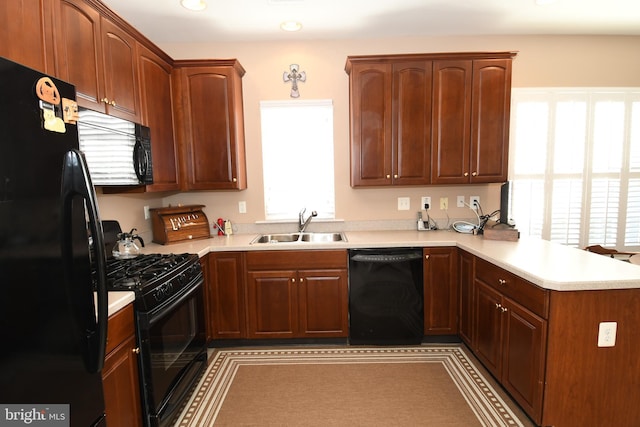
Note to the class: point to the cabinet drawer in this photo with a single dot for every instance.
(525, 293)
(305, 259)
(120, 327)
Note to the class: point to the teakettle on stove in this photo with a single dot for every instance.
(126, 247)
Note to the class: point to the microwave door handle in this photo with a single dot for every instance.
(140, 160)
(76, 183)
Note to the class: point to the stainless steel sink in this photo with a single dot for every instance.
(276, 238)
(299, 237)
(323, 237)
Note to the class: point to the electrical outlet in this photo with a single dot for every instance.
(607, 334)
(147, 214)
(425, 203)
(404, 203)
(444, 203)
(474, 202)
(242, 207)
(460, 202)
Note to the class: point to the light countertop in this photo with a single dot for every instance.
(548, 265)
(117, 300)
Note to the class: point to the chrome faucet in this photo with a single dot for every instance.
(302, 224)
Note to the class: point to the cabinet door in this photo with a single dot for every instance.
(411, 123)
(214, 128)
(272, 304)
(120, 72)
(121, 386)
(226, 295)
(370, 119)
(440, 291)
(490, 120)
(488, 327)
(524, 350)
(79, 52)
(157, 114)
(26, 33)
(323, 303)
(451, 121)
(465, 322)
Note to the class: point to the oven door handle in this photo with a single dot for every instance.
(76, 186)
(162, 310)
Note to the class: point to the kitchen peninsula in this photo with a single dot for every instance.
(541, 340)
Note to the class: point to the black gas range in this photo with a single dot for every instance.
(170, 327)
(153, 277)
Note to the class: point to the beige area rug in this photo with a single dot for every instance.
(346, 386)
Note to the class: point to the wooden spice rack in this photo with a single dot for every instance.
(179, 223)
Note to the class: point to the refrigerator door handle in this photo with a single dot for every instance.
(76, 182)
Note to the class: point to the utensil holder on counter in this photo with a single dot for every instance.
(179, 223)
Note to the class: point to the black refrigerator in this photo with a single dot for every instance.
(52, 333)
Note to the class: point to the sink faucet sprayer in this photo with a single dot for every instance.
(302, 224)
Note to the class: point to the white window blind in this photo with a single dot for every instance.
(297, 154)
(575, 165)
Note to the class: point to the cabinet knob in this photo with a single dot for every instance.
(474, 174)
(388, 176)
(426, 257)
(135, 350)
(504, 309)
(395, 176)
(105, 100)
(502, 282)
(466, 174)
(113, 103)
(498, 305)
(293, 280)
(235, 179)
(301, 280)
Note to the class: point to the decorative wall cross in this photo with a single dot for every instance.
(294, 77)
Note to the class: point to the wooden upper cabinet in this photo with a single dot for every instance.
(411, 122)
(157, 113)
(99, 58)
(451, 121)
(390, 119)
(419, 119)
(211, 119)
(26, 33)
(490, 113)
(471, 121)
(370, 117)
(79, 51)
(120, 54)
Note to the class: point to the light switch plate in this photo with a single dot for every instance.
(404, 203)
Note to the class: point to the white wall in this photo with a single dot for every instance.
(541, 61)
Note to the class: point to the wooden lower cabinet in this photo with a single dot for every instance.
(509, 339)
(120, 373)
(226, 295)
(297, 294)
(440, 291)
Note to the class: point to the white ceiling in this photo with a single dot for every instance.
(165, 21)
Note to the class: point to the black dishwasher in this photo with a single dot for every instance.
(386, 296)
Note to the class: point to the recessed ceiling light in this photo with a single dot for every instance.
(196, 5)
(291, 26)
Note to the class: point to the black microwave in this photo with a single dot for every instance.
(118, 151)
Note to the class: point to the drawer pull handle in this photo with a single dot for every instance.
(502, 282)
(498, 305)
(504, 309)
